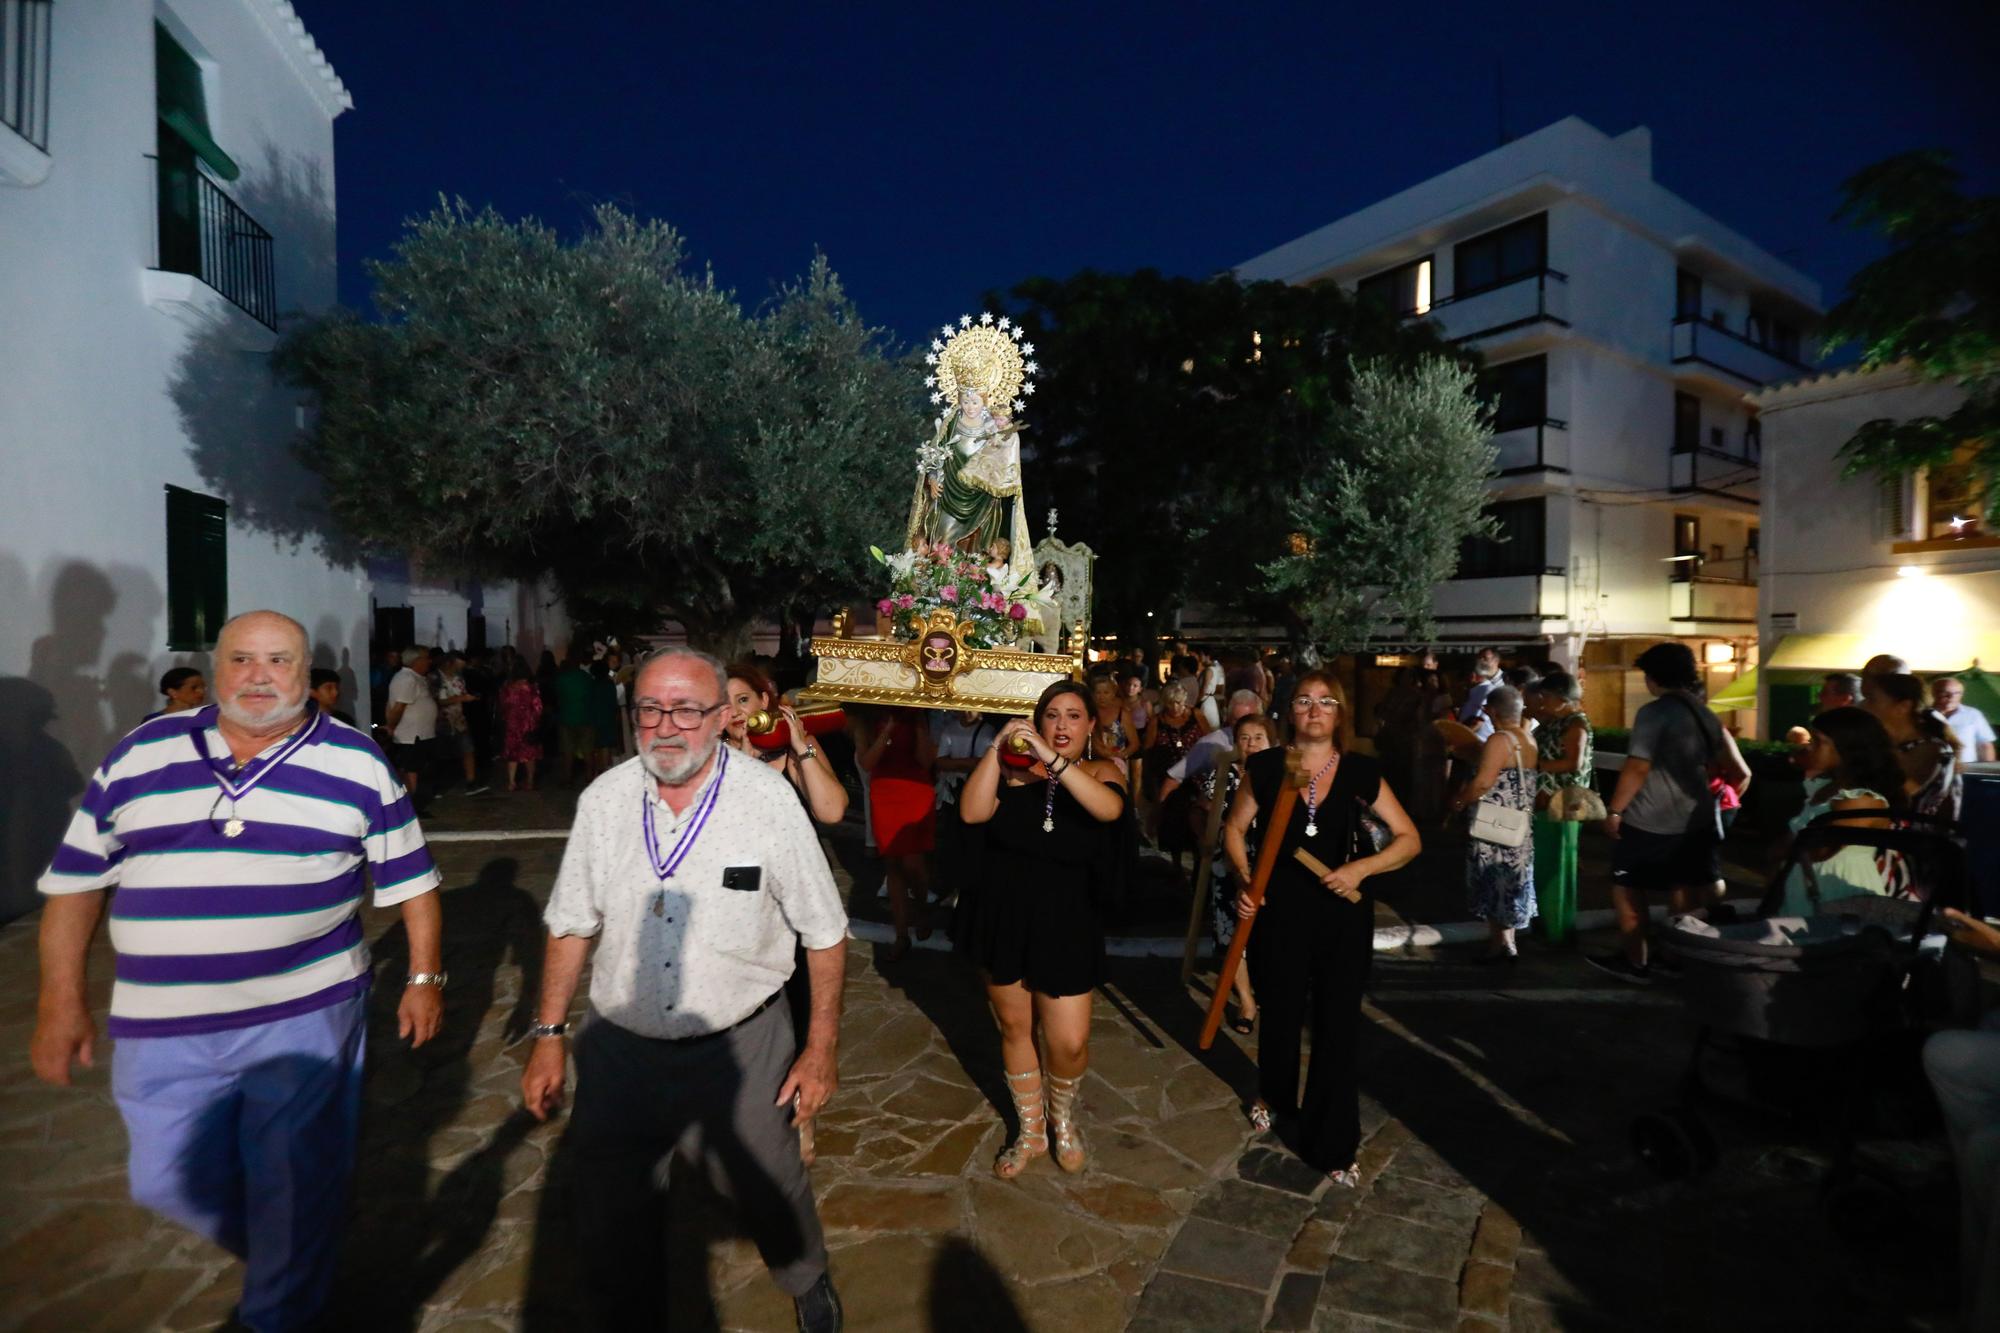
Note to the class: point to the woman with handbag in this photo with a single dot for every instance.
(1312, 950)
(1500, 857)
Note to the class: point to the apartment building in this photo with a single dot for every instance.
(1621, 330)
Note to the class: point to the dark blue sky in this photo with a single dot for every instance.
(937, 151)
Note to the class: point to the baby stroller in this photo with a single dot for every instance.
(1819, 1018)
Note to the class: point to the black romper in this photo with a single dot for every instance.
(1032, 917)
(1309, 955)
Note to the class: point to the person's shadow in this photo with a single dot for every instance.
(407, 1238)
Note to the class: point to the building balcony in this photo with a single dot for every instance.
(1541, 297)
(1723, 467)
(1542, 447)
(1532, 595)
(1706, 350)
(202, 233)
(1712, 598)
(24, 91)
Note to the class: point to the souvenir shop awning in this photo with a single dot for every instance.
(1847, 652)
(1738, 693)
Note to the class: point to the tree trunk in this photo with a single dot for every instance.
(730, 640)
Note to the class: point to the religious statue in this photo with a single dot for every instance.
(968, 493)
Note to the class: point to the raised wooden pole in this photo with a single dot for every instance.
(1204, 872)
(1267, 858)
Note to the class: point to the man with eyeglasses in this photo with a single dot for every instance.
(694, 878)
(240, 837)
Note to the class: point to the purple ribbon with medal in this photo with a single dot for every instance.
(665, 866)
(236, 791)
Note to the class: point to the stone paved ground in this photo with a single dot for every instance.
(1499, 1190)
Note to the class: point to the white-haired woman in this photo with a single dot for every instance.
(1501, 879)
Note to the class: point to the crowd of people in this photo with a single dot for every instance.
(695, 877)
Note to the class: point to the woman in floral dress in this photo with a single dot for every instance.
(1501, 880)
(521, 710)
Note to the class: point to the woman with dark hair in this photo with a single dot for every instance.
(1117, 736)
(1861, 783)
(184, 688)
(521, 717)
(1312, 950)
(802, 762)
(897, 756)
(1924, 745)
(1031, 924)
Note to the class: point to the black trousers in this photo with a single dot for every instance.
(1309, 957)
(639, 1104)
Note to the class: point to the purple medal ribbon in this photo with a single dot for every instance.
(265, 767)
(665, 866)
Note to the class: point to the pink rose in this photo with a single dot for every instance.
(949, 592)
(1017, 612)
(905, 602)
(885, 606)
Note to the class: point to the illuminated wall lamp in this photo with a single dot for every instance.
(1910, 572)
(1719, 654)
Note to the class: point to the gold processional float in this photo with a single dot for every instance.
(975, 617)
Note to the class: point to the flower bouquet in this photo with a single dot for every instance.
(993, 599)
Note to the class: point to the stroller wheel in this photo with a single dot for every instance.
(1674, 1143)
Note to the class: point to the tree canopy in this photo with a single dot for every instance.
(1934, 301)
(529, 404)
(1179, 418)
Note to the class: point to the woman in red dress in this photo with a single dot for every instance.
(521, 709)
(899, 760)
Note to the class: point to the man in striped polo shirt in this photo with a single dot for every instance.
(237, 838)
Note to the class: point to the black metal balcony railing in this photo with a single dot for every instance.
(24, 68)
(1744, 359)
(1541, 296)
(203, 233)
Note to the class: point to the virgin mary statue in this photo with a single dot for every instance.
(968, 492)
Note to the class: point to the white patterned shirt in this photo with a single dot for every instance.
(685, 956)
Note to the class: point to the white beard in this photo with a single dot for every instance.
(654, 758)
(282, 716)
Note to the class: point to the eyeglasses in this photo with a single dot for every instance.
(686, 718)
(1305, 703)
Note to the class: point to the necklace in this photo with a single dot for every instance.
(234, 827)
(665, 865)
(1049, 806)
(1312, 796)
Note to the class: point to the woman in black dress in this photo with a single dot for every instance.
(1311, 951)
(1030, 924)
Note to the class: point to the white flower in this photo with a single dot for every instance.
(1028, 388)
(1033, 368)
(1015, 333)
(1005, 324)
(930, 381)
(930, 358)
(1027, 349)
(901, 564)
(965, 321)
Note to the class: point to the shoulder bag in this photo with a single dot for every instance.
(1502, 825)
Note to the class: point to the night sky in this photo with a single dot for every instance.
(936, 151)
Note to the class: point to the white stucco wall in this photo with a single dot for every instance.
(94, 380)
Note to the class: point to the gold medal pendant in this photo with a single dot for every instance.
(233, 829)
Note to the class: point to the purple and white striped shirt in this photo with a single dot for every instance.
(213, 932)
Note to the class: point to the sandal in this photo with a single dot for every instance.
(1033, 1140)
(1349, 1179)
(1260, 1117)
(1242, 1024)
(1071, 1155)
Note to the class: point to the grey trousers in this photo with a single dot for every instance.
(1964, 1068)
(640, 1103)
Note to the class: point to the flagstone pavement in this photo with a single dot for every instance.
(1499, 1191)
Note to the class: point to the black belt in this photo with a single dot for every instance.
(769, 1000)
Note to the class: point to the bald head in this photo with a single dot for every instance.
(260, 672)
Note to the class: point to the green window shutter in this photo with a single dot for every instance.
(182, 106)
(197, 569)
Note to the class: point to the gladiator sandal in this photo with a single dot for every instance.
(1070, 1152)
(1033, 1140)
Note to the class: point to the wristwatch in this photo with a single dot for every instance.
(811, 752)
(539, 1030)
(426, 979)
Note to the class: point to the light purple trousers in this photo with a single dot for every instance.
(248, 1137)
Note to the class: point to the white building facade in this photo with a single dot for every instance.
(1621, 329)
(1856, 566)
(166, 204)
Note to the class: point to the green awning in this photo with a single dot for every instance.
(182, 106)
(1738, 693)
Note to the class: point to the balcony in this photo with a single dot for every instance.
(1723, 466)
(1542, 447)
(1707, 349)
(1531, 596)
(203, 234)
(24, 91)
(1541, 297)
(1712, 598)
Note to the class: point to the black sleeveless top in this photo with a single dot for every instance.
(1356, 780)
